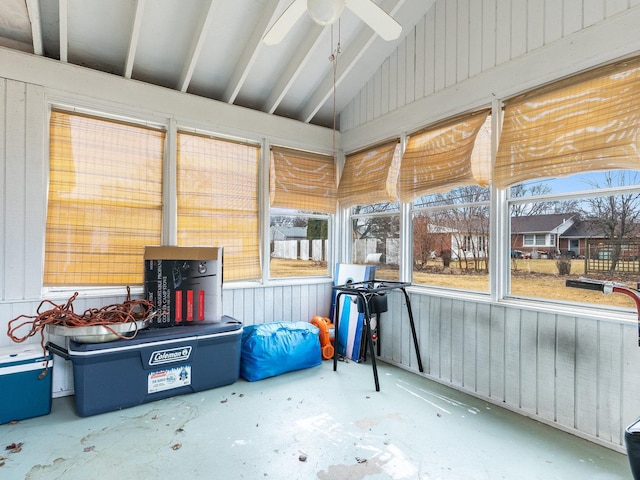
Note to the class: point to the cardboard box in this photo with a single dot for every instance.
(185, 282)
(158, 363)
(26, 391)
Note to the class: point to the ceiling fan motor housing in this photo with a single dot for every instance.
(325, 12)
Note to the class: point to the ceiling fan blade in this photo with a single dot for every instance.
(380, 21)
(285, 23)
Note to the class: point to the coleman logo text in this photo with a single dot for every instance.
(171, 355)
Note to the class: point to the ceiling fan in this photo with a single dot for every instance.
(326, 12)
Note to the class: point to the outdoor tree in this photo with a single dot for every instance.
(616, 216)
(522, 190)
(469, 223)
(427, 241)
(383, 227)
(376, 226)
(317, 228)
(456, 225)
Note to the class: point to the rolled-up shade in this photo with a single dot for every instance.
(587, 122)
(440, 158)
(302, 180)
(370, 176)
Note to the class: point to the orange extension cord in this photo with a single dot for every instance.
(63, 315)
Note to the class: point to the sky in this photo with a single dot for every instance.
(581, 181)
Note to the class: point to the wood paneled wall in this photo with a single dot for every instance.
(577, 374)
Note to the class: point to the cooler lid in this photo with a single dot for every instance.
(162, 335)
(21, 354)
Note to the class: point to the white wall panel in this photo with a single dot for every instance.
(393, 81)
(286, 303)
(410, 68)
(440, 58)
(401, 95)
(429, 52)
(488, 40)
(496, 344)
(35, 197)
(535, 25)
(613, 7)
(456, 352)
(553, 21)
(519, 31)
(572, 16)
(419, 77)
(475, 28)
(470, 346)
(384, 90)
(512, 364)
(22, 127)
(587, 376)
(565, 376)
(573, 373)
(377, 94)
(503, 31)
(462, 43)
(546, 348)
(593, 13)
(14, 190)
(483, 350)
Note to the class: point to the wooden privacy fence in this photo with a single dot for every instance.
(315, 250)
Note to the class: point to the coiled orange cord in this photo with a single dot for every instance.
(129, 311)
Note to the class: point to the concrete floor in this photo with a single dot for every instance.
(310, 424)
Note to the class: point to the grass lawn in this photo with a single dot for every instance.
(530, 278)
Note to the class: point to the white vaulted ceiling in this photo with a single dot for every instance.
(212, 48)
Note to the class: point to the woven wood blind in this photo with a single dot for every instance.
(370, 176)
(587, 122)
(302, 181)
(105, 200)
(441, 157)
(217, 183)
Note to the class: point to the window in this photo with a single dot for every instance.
(450, 206)
(375, 233)
(596, 235)
(302, 191)
(568, 153)
(539, 239)
(217, 196)
(451, 239)
(104, 202)
(299, 244)
(369, 185)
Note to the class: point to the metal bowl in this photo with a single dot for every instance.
(98, 333)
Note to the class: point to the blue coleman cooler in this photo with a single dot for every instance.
(157, 363)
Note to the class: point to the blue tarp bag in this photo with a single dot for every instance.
(270, 349)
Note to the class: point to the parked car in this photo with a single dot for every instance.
(568, 253)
